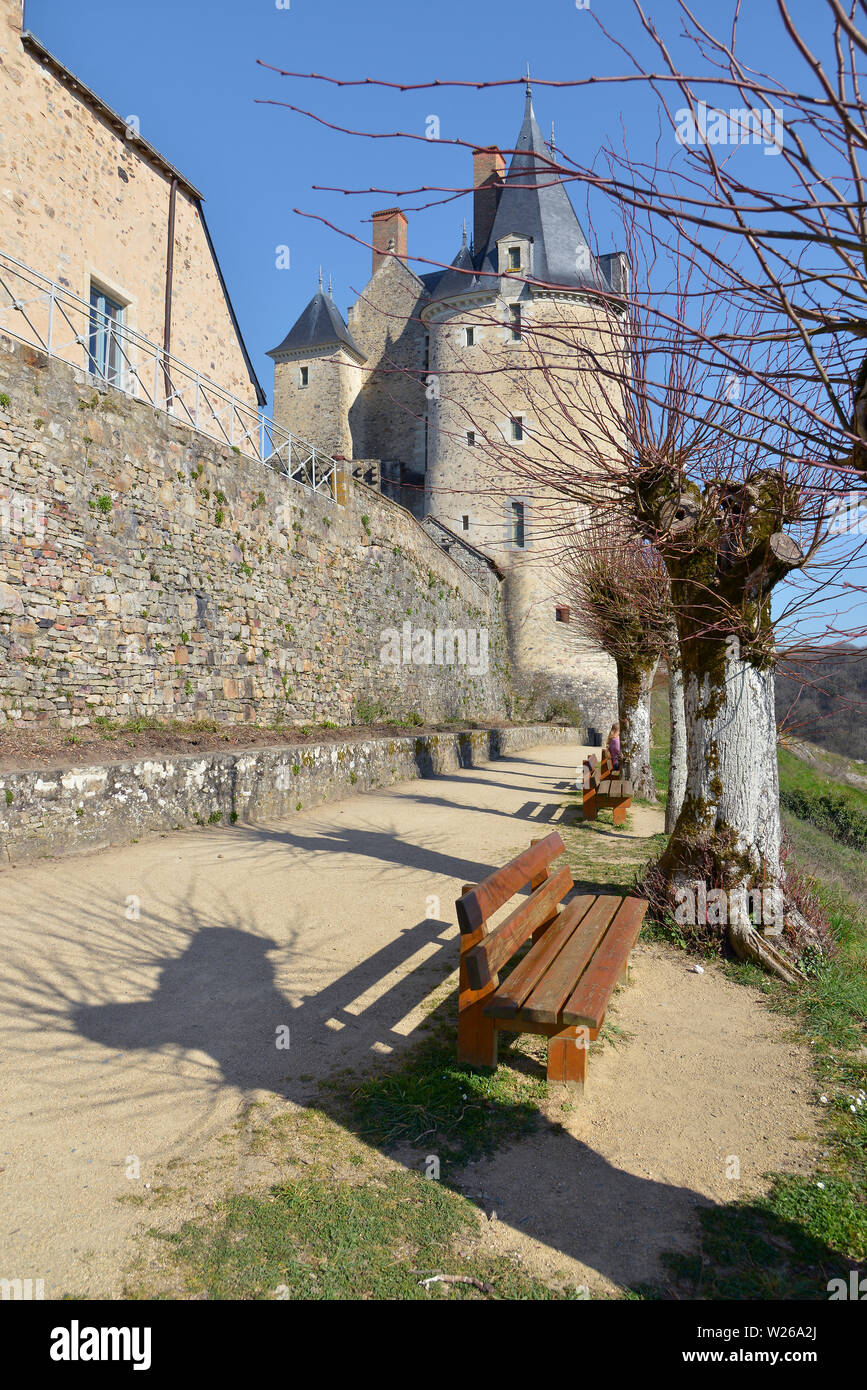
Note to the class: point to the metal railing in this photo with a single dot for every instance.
(49, 317)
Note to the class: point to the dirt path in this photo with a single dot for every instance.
(144, 989)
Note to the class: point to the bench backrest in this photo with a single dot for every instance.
(493, 949)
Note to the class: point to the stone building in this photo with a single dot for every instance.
(88, 205)
(434, 383)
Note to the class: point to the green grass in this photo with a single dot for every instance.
(798, 776)
(325, 1238)
(458, 1113)
(660, 743)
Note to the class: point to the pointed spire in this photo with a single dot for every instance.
(320, 277)
(330, 287)
(534, 203)
(464, 234)
(553, 146)
(528, 88)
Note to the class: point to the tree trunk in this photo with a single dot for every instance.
(677, 727)
(634, 684)
(728, 834)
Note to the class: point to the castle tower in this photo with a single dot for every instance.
(317, 377)
(507, 326)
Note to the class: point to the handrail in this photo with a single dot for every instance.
(50, 317)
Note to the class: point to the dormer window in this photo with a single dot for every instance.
(303, 376)
(514, 258)
(515, 319)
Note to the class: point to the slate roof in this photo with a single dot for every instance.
(534, 203)
(453, 280)
(319, 325)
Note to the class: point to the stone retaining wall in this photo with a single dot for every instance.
(45, 813)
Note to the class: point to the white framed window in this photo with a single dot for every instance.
(107, 356)
(469, 337)
(516, 427)
(515, 322)
(514, 258)
(471, 438)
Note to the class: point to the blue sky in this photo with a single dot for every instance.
(188, 70)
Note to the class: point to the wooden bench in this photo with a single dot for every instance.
(604, 788)
(561, 987)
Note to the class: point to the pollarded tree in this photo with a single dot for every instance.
(618, 589)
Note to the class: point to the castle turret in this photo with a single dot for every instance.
(317, 376)
(508, 326)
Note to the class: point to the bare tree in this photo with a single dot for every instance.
(618, 588)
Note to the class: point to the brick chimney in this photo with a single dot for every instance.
(389, 234)
(488, 169)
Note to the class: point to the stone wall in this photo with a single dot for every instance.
(147, 571)
(59, 811)
(387, 418)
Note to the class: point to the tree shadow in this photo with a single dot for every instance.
(220, 996)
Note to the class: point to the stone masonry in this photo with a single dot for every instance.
(148, 571)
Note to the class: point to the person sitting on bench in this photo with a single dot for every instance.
(612, 743)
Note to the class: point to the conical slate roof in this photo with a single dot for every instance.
(534, 203)
(455, 279)
(320, 325)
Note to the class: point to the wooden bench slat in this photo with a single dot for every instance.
(481, 902)
(546, 1001)
(484, 960)
(512, 992)
(587, 1004)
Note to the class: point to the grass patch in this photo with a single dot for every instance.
(322, 1238)
(457, 1113)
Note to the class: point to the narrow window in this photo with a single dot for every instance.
(562, 613)
(517, 428)
(471, 437)
(517, 520)
(469, 337)
(514, 258)
(105, 337)
(465, 523)
(515, 316)
(304, 375)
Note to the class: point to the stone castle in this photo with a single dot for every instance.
(424, 388)
(158, 557)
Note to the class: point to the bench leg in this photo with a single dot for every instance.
(477, 1035)
(567, 1057)
(589, 806)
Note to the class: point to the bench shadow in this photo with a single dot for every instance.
(221, 995)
